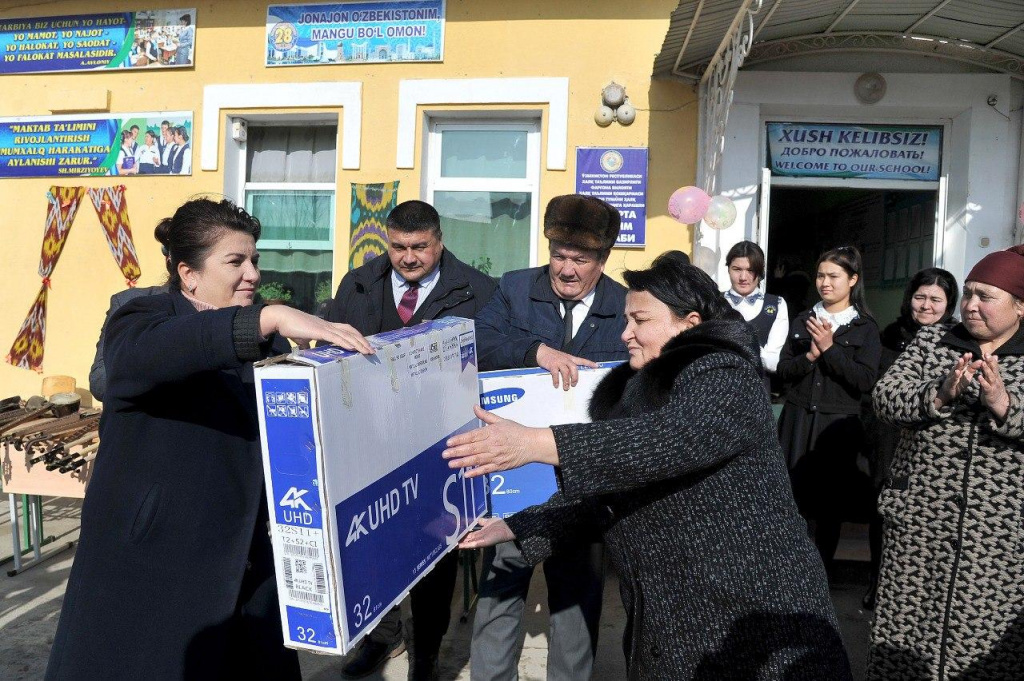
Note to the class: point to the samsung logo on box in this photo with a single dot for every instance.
(499, 398)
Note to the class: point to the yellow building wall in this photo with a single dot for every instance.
(590, 42)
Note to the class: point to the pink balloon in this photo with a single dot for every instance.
(688, 204)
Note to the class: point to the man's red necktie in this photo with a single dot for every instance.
(408, 303)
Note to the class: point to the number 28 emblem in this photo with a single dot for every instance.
(283, 36)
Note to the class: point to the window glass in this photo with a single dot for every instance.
(290, 175)
(293, 215)
(483, 153)
(489, 230)
(305, 275)
(291, 154)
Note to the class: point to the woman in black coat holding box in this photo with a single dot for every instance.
(174, 577)
(829, 364)
(682, 471)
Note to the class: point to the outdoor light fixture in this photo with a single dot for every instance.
(615, 106)
(869, 88)
(625, 114)
(613, 95)
(604, 116)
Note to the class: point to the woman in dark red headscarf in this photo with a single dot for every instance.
(950, 602)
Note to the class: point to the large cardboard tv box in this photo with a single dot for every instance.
(361, 503)
(529, 397)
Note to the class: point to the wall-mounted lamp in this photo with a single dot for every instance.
(869, 88)
(615, 106)
(604, 116)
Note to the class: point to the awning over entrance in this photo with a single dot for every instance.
(984, 33)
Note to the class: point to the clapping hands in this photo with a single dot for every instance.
(990, 381)
(821, 337)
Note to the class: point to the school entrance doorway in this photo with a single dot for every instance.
(893, 229)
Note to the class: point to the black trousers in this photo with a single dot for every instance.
(431, 610)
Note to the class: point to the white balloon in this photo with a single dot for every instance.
(721, 212)
(706, 259)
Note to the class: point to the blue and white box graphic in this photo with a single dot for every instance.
(362, 505)
(528, 396)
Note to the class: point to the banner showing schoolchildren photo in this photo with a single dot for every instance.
(355, 32)
(618, 176)
(86, 42)
(114, 144)
(877, 152)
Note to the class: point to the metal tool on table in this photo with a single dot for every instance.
(30, 414)
(62, 406)
(85, 456)
(32, 404)
(59, 429)
(40, 436)
(44, 427)
(55, 446)
(10, 403)
(61, 454)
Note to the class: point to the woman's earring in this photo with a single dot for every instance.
(192, 289)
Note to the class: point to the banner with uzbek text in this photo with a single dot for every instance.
(618, 176)
(85, 42)
(355, 32)
(97, 144)
(878, 152)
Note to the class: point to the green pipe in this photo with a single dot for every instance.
(26, 530)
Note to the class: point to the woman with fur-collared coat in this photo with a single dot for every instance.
(682, 471)
(951, 587)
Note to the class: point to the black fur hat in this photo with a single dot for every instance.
(582, 222)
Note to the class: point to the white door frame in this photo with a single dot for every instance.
(768, 182)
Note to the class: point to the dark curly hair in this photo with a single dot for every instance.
(932, 276)
(685, 288)
(195, 227)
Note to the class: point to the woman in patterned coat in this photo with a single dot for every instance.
(682, 471)
(951, 588)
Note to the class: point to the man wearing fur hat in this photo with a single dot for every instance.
(563, 315)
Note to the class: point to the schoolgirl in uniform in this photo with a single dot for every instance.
(764, 312)
(829, 363)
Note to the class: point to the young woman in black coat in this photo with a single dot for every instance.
(930, 298)
(829, 364)
(682, 471)
(173, 578)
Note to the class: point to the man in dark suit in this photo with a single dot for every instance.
(557, 317)
(417, 280)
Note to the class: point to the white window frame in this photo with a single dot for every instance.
(245, 187)
(529, 184)
(345, 94)
(416, 94)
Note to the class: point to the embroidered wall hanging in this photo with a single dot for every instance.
(371, 204)
(62, 206)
